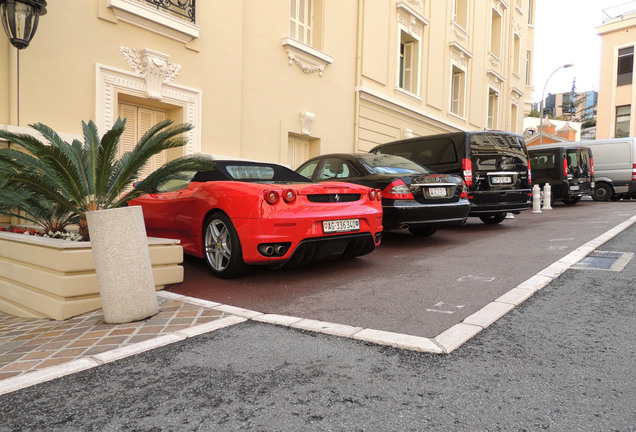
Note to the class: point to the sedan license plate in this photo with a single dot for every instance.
(501, 180)
(341, 225)
(437, 192)
(575, 187)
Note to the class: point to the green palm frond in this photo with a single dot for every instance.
(65, 180)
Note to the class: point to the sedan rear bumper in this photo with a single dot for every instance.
(413, 213)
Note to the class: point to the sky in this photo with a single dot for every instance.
(565, 32)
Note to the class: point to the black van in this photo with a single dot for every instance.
(494, 166)
(569, 169)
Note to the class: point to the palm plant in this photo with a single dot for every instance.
(81, 177)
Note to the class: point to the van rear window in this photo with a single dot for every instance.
(426, 152)
(489, 142)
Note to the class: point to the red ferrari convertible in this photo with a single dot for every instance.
(242, 213)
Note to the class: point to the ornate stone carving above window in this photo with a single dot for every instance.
(153, 66)
(306, 120)
(494, 80)
(459, 55)
(516, 96)
(411, 20)
(308, 59)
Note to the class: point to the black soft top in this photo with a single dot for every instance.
(249, 171)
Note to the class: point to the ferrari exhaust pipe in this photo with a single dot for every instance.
(280, 250)
(404, 226)
(267, 250)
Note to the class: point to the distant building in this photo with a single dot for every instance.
(583, 108)
(554, 131)
(617, 95)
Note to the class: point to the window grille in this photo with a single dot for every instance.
(184, 9)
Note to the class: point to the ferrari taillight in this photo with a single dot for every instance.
(467, 170)
(271, 196)
(375, 194)
(397, 190)
(289, 196)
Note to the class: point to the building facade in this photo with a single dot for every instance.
(580, 108)
(617, 92)
(276, 80)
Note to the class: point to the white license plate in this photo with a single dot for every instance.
(437, 192)
(501, 180)
(575, 187)
(341, 225)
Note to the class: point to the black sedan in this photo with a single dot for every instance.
(413, 197)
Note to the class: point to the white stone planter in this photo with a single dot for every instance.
(52, 278)
(122, 263)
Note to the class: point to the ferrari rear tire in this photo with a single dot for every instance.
(493, 219)
(222, 248)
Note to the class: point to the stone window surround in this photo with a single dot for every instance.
(110, 82)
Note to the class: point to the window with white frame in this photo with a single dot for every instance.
(516, 53)
(513, 118)
(528, 68)
(458, 89)
(493, 107)
(460, 13)
(495, 33)
(623, 121)
(408, 63)
(301, 21)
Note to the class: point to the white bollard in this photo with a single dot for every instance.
(547, 197)
(536, 199)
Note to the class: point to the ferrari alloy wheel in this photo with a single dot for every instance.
(222, 248)
(493, 219)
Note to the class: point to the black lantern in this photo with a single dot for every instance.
(20, 20)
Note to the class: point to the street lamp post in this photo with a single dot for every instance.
(20, 21)
(542, 96)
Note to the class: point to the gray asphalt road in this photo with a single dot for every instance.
(563, 361)
(417, 286)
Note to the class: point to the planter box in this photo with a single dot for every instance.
(52, 278)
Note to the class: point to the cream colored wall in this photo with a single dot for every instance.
(388, 113)
(250, 95)
(615, 34)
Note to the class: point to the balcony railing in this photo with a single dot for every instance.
(184, 9)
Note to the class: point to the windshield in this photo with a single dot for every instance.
(390, 164)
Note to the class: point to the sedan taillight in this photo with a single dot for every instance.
(397, 190)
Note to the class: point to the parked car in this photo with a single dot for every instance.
(243, 213)
(413, 197)
(614, 168)
(569, 169)
(494, 166)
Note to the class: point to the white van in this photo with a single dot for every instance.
(614, 167)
